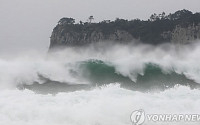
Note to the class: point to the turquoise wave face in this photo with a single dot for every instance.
(98, 72)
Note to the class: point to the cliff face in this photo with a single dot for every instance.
(60, 37)
(179, 35)
(185, 35)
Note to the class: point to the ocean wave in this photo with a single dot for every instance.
(98, 73)
(136, 67)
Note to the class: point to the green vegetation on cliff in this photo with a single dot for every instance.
(148, 31)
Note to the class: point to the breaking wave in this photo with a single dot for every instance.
(99, 85)
(152, 77)
(135, 67)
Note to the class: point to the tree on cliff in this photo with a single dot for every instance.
(65, 20)
(91, 18)
(181, 14)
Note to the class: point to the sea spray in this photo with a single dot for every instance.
(127, 64)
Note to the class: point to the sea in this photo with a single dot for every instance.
(102, 84)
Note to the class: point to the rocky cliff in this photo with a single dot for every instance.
(60, 37)
(185, 35)
(178, 28)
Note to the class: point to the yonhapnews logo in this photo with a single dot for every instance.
(138, 117)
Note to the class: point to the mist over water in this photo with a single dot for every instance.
(127, 60)
(105, 67)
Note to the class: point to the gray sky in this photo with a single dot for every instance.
(27, 24)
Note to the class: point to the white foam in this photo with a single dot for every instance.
(109, 105)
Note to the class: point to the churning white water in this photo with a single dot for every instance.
(106, 105)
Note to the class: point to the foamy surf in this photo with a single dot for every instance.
(107, 105)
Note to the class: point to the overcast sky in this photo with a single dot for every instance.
(27, 24)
